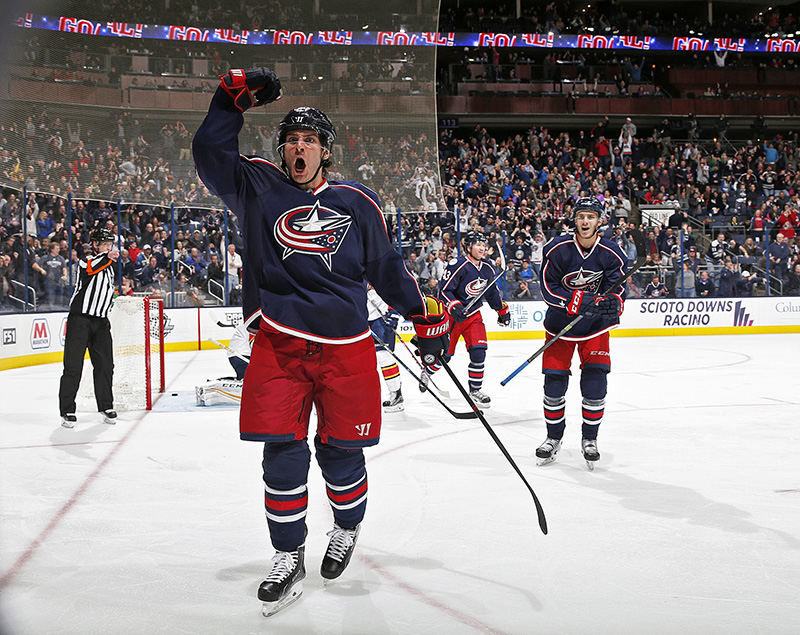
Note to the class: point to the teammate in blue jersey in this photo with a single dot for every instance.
(577, 271)
(464, 279)
(310, 246)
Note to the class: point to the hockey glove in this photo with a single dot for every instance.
(251, 87)
(432, 331)
(457, 312)
(503, 315)
(581, 302)
(607, 306)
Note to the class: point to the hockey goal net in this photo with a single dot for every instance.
(137, 331)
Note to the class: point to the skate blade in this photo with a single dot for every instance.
(270, 608)
(540, 462)
(590, 465)
(393, 408)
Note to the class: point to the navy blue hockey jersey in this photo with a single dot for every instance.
(306, 253)
(463, 279)
(566, 268)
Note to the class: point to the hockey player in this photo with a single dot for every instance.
(465, 278)
(309, 246)
(229, 389)
(576, 273)
(88, 327)
(383, 324)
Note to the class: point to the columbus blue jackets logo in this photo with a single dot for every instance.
(312, 230)
(588, 281)
(475, 287)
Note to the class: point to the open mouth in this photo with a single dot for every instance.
(299, 164)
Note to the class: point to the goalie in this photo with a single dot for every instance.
(229, 389)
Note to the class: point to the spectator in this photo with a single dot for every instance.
(779, 254)
(704, 286)
(234, 266)
(656, 289)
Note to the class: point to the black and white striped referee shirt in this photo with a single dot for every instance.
(95, 288)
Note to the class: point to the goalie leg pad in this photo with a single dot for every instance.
(219, 391)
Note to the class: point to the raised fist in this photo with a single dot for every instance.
(251, 87)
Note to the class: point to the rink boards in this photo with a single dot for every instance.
(38, 338)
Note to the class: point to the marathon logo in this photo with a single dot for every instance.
(187, 34)
(538, 40)
(740, 316)
(396, 38)
(344, 38)
(689, 44)
(496, 39)
(72, 25)
(62, 332)
(231, 35)
(123, 29)
(595, 42)
(292, 37)
(40, 333)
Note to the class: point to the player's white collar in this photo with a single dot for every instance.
(321, 187)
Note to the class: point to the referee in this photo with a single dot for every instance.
(88, 327)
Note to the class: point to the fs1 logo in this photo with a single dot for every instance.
(9, 336)
(40, 333)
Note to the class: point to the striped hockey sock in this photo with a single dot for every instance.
(348, 501)
(554, 416)
(593, 410)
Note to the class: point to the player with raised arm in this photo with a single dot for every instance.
(383, 324)
(310, 246)
(465, 279)
(88, 327)
(576, 273)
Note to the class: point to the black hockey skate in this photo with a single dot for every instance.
(547, 452)
(394, 403)
(110, 417)
(69, 420)
(590, 453)
(340, 550)
(283, 585)
(480, 398)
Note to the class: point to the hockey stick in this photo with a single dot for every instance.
(226, 326)
(443, 393)
(457, 415)
(472, 302)
(641, 248)
(230, 350)
(479, 414)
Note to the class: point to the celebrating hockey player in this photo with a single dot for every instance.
(383, 324)
(576, 272)
(88, 327)
(309, 246)
(466, 278)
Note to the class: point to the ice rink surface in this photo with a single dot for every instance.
(689, 524)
